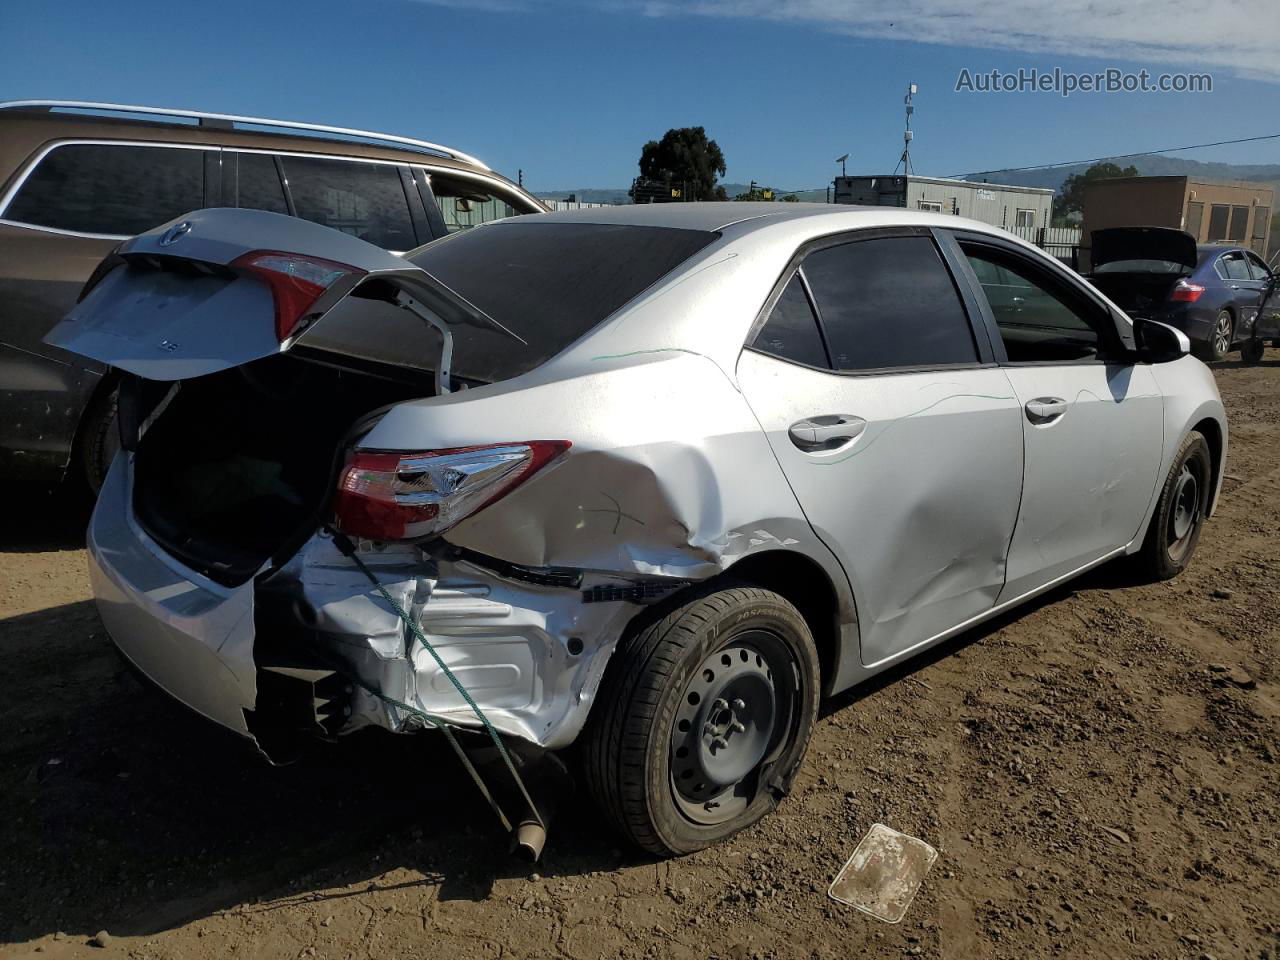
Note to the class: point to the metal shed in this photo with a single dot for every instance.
(1000, 205)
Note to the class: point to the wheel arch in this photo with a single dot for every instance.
(1211, 430)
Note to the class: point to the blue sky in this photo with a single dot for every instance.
(569, 90)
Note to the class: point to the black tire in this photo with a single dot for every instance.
(650, 708)
(1180, 512)
(1218, 345)
(1252, 349)
(99, 439)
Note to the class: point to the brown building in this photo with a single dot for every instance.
(1212, 211)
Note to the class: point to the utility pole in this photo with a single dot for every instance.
(905, 160)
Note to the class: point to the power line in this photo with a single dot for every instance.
(1114, 156)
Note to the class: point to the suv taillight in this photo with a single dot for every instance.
(1184, 291)
(407, 496)
(296, 282)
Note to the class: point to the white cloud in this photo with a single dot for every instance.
(1240, 36)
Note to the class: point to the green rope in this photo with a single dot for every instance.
(346, 546)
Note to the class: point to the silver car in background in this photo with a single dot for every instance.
(650, 478)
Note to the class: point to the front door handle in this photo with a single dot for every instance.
(826, 432)
(1045, 409)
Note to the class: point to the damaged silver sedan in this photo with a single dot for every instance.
(652, 478)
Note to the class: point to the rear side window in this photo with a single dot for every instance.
(889, 302)
(110, 188)
(258, 185)
(549, 283)
(1234, 267)
(791, 332)
(366, 200)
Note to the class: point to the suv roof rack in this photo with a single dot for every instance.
(228, 120)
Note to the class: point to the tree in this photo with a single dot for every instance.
(1070, 199)
(686, 159)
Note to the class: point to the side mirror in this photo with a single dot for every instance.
(1158, 342)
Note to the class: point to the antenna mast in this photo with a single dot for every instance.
(905, 160)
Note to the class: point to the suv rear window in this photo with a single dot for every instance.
(110, 188)
(549, 283)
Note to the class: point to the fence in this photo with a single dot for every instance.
(573, 205)
(1062, 243)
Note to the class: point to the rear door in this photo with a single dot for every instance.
(899, 436)
(1092, 420)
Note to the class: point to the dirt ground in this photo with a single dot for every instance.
(1099, 773)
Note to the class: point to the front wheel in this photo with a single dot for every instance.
(1180, 512)
(703, 720)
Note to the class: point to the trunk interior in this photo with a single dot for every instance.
(1137, 294)
(237, 468)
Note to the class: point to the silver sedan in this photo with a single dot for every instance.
(650, 478)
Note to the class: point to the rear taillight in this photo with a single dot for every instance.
(1184, 291)
(296, 282)
(406, 496)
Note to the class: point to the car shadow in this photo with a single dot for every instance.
(1116, 575)
(40, 519)
(124, 811)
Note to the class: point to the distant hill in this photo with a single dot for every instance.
(1150, 165)
(619, 194)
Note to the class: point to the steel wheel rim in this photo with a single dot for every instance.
(733, 718)
(1222, 334)
(1185, 515)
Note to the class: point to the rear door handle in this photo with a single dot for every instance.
(826, 432)
(1045, 409)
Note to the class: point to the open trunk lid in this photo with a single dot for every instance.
(1142, 243)
(219, 288)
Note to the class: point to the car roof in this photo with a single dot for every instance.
(722, 215)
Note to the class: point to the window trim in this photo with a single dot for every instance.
(39, 157)
(1064, 279)
(795, 262)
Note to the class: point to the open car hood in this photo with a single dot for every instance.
(178, 302)
(1142, 243)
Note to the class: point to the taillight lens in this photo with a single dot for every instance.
(1184, 291)
(407, 496)
(296, 282)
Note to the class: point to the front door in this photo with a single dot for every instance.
(1092, 420)
(903, 447)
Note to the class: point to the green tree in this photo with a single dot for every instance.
(1069, 202)
(686, 159)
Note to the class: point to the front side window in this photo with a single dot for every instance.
(1039, 322)
(365, 200)
(791, 332)
(1257, 269)
(889, 302)
(465, 203)
(113, 189)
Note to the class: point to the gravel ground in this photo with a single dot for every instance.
(1099, 773)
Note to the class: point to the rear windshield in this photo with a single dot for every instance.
(549, 283)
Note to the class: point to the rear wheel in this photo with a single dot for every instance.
(99, 439)
(1180, 512)
(703, 719)
(1219, 343)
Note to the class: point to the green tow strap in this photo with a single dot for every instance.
(347, 547)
